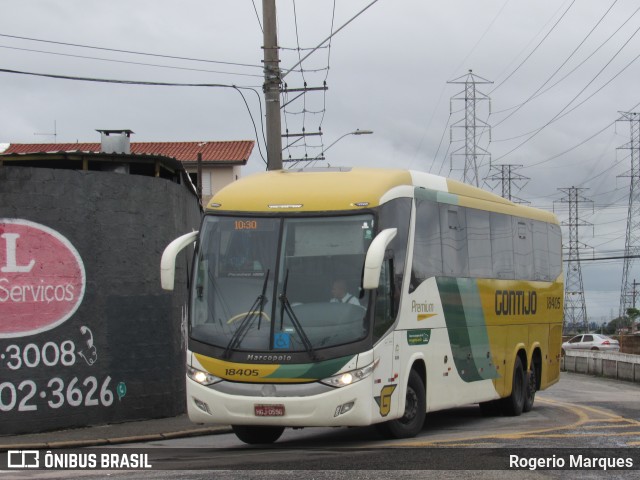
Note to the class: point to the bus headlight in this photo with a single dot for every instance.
(348, 378)
(203, 378)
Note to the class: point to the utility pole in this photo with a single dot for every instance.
(632, 242)
(575, 309)
(507, 176)
(471, 151)
(272, 85)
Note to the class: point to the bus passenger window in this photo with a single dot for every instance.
(523, 249)
(455, 259)
(427, 245)
(479, 240)
(540, 252)
(502, 246)
(555, 250)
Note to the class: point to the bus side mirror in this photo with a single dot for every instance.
(375, 257)
(168, 261)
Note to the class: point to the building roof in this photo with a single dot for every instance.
(225, 152)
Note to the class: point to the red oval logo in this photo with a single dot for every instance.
(42, 278)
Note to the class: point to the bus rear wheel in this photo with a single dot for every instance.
(254, 435)
(532, 387)
(514, 403)
(410, 424)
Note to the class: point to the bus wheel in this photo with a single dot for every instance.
(514, 403)
(255, 435)
(410, 424)
(531, 387)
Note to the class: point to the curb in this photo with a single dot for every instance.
(95, 442)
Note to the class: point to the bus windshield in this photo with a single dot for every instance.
(281, 284)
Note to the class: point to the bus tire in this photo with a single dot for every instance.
(514, 403)
(254, 435)
(410, 424)
(531, 388)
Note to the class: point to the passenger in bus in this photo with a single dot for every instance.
(339, 293)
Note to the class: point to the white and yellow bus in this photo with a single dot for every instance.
(349, 296)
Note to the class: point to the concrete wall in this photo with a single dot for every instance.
(87, 336)
(621, 366)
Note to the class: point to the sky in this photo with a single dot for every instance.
(555, 76)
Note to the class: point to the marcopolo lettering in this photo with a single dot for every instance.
(269, 358)
(516, 302)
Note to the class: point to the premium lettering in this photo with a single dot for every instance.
(516, 302)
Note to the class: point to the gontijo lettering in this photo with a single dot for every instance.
(516, 302)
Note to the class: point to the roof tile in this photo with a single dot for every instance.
(212, 151)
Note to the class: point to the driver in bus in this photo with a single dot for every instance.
(339, 293)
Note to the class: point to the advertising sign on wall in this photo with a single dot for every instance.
(42, 278)
(87, 336)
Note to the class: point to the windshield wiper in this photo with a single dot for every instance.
(245, 325)
(286, 307)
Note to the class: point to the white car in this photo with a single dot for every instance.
(592, 341)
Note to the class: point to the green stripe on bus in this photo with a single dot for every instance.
(314, 371)
(477, 327)
(466, 328)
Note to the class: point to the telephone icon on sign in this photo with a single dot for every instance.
(92, 352)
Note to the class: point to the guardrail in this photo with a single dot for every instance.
(621, 366)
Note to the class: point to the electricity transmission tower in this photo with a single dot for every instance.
(575, 309)
(507, 176)
(471, 123)
(632, 242)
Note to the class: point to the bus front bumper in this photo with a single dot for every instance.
(346, 406)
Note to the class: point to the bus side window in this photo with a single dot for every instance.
(455, 259)
(396, 214)
(540, 251)
(502, 246)
(555, 250)
(523, 249)
(479, 240)
(427, 245)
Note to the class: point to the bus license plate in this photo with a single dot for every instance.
(269, 410)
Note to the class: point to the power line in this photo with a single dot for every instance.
(255, 9)
(481, 37)
(560, 114)
(573, 69)
(153, 84)
(329, 37)
(560, 67)
(129, 62)
(133, 52)
(534, 50)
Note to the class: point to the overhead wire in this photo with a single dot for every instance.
(300, 68)
(575, 68)
(562, 112)
(535, 49)
(560, 67)
(255, 9)
(153, 84)
(129, 62)
(133, 52)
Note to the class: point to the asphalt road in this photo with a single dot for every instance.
(593, 417)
